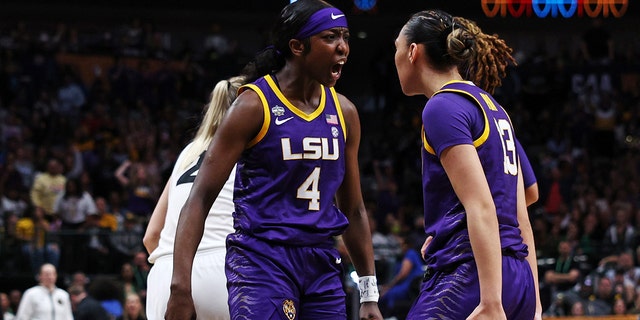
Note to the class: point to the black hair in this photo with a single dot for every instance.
(456, 41)
(291, 19)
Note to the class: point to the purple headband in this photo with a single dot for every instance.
(323, 19)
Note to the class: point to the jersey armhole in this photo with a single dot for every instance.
(266, 115)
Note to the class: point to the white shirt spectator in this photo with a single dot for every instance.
(38, 303)
(75, 210)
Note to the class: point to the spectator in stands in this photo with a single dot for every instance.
(37, 249)
(566, 273)
(621, 235)
(45, 301)
(71, 98)
(385, 250)
(634, 308)
(126, 279)
(622, 272)
(601, 302)
(73, 206)
(12, 257)
(133, 308)
(619, 306)
(84, 306)
(5, 307)
(117, 208)
(73, 163)
(47, 186)
(397, 295)
(24, 164)
(141, 193)
(107, 219)
(12, 187)
(127, 241)
(577, 309)
(11, 192)
(589, 242)
(141, 269)
(15, 296)
(98, 253)
(79, 278)
(104, 289)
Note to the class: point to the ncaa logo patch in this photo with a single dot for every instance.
(289, 309)
(277, 110)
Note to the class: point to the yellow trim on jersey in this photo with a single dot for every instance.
(267, 116)
(339, 109)
(485, 132)
(294, 109)
(426, 144)
(488, 101)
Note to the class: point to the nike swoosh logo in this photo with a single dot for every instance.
(334, 16)
(279, 122)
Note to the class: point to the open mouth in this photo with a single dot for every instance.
(337, 68)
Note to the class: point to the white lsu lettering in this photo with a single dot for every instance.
(313, 148)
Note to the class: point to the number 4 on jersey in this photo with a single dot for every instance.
(309, 190)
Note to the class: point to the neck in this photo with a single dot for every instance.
(436, 80)
(298, 88)
(49, 287)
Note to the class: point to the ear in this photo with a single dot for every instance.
(413, 52)
(296, 46)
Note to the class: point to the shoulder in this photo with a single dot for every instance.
(248, 99)
(348, 107)
(449, 101)
(62, 293)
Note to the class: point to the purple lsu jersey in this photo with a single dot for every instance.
(462, 113)
(288, 176)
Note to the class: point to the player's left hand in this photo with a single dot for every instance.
(370, 311)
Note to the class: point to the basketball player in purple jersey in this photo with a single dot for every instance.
(295, 141)
(480, 250)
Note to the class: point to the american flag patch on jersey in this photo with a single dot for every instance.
(332, 119)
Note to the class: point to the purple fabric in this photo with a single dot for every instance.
(269, 281)
(323, 19)
(454, 295)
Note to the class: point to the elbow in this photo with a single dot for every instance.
(150, 241)
(532, 194)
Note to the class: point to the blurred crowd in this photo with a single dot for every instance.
(82, 162)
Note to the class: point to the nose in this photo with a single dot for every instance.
(343, 46)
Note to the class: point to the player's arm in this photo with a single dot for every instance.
(241, 124)
(357, 237)
(527, 236)
(530, 182)
(156, 222)
(463, 167)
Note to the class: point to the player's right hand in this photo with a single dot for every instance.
(180, 307)
(423, 250)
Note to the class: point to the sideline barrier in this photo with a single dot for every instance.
(622, 317)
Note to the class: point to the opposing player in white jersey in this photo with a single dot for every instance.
(209, 292)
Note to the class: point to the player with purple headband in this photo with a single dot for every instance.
(295, 141)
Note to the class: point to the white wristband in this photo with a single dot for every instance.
(368, 286)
